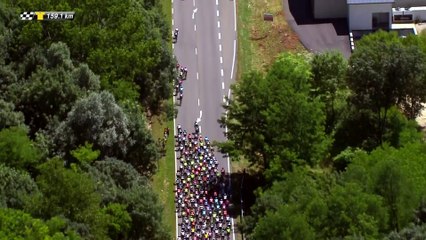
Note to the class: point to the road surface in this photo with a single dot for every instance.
(207, 47)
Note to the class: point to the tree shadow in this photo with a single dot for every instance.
(243, 186)
(302, 12)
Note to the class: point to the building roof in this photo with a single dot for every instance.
(369, 1)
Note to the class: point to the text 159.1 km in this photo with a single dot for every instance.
(47, 16)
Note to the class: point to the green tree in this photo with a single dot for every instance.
(17, 150)
(143, 153)
(118, 182)
(397, 175)
(16, 224)
(383, 73)
(328, 83)
(412, 232)
(72, 194)
(119, 221)
(273, 121)
(9, 117)
(354, 212)
(85, 154)
(285, 223)
(16, 188)
(97, 119)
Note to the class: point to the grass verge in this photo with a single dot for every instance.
(163, 180)
(261, 41)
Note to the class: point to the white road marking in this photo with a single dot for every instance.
(173, 22)
(173, 46)
(193, 12)
(221, 60)
(172, 11)
(198, 102)
(174, 129)
(172, 1)
(193, 3)
(201, 114)
(220, 47)
(229, 95)
(235, 30)
(221, 72)
(233, 60)
(196, 51)
(217, 2)
(197, 76)
(219, 36)
(217, 13)
(218, 24)
(224, 99)
(223, 88)
(195, 27)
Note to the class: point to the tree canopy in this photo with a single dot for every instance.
(336, 141)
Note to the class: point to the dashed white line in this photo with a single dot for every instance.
(217, 2)
(172, 11)
(172, 1)
(173, 22)
(220, 47)
(193, 2)
(235, 29)
(223, 88)
(233, 60)
(219, 36)
(218, 24)
(193, 12)
(221, 60)
(197, 76)
(217, 13)
(196, 51)
(198, 102)
(221, 72)
(201, 114)
(229, 94)
(195, 27)
(224, 99)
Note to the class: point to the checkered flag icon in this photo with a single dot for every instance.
(27, 16)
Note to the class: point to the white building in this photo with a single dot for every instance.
(370, 14)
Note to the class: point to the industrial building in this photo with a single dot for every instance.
(371, 14)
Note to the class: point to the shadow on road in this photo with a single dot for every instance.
(303, 15)
(249, 182)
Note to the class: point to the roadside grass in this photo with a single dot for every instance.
(162, 181)
(261, 41)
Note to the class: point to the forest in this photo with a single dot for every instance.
(76, 152)
(332, 145)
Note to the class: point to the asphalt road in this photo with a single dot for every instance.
(317, 35)
(207, 47)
